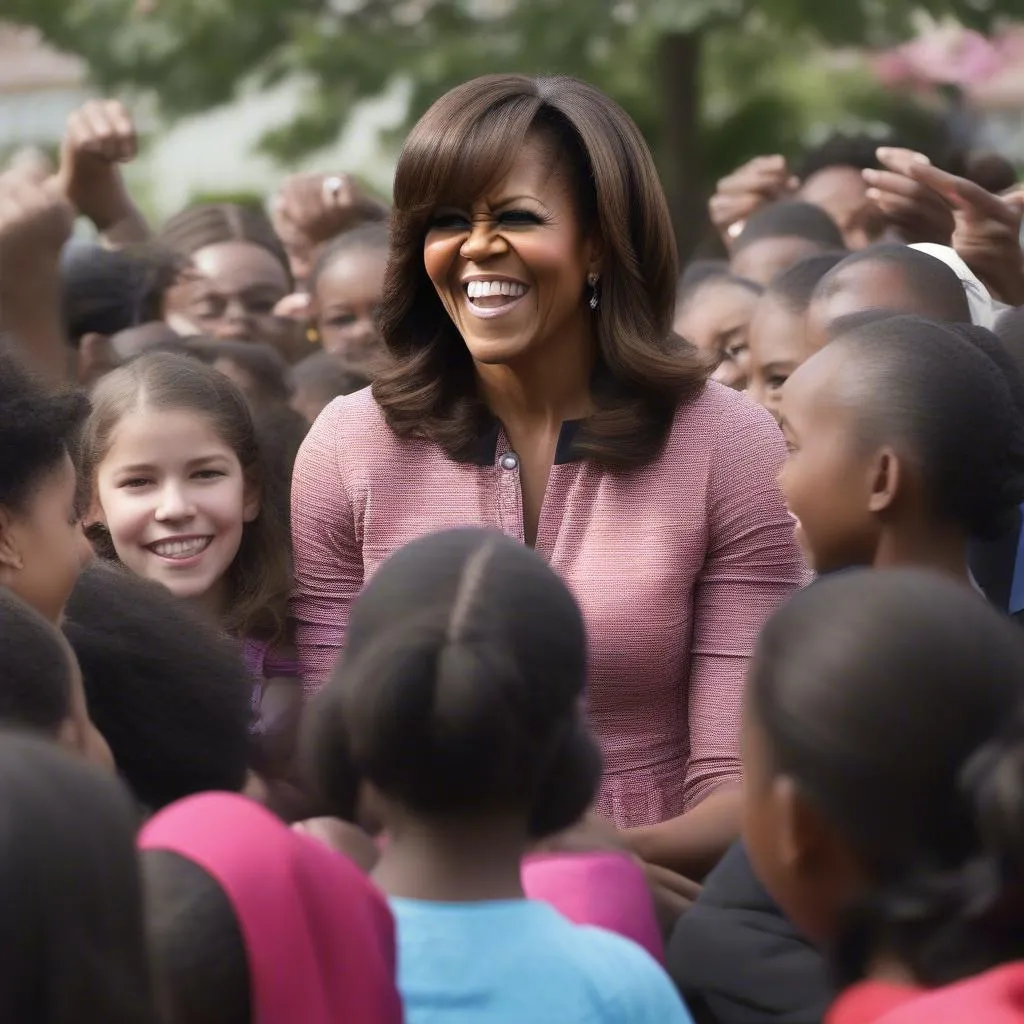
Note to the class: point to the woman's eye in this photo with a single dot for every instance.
(519, 217)
(448, 222)
(209, 474)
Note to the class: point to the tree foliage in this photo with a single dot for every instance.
(194, 54)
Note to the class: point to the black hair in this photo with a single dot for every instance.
(35, 669)
(72, 927)
(791, 219)
(369, 237)
(794, 287)
(327, 376)
(956, 403)
(932, 285)
(204, 224)
(170, 696)
(893, 698)
(105, 291)
(991, 171)
(857, 151)
(280, 431)
(198, 952)
(700, 282)
(262, 362)
(36, 429)
(458, 691)
(1010, 331)
(697, 272)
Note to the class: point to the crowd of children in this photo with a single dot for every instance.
(633, 646)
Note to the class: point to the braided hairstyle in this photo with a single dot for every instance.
(893, 700)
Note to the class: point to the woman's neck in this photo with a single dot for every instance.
(453, 863)
(933, 547)
(543, 388)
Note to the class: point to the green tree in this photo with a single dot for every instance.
(664, 60)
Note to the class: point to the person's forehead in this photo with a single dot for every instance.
(238, 265)
(834, 186)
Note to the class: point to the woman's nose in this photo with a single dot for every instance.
(483, 241)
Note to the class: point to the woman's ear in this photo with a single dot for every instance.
(10, 548)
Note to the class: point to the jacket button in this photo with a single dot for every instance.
(510, 461)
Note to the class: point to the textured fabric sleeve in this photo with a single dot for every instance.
(753, 563)
(328, 556)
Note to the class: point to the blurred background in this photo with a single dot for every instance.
(232, 94)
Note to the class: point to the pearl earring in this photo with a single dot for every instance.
(592, 280)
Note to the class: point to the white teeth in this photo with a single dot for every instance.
(485, 289)
(180, 548)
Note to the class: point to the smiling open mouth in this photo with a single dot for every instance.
(179, 550)
(490, 298)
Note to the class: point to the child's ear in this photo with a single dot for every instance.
(10, 549)
(251, 501)
(886, 480)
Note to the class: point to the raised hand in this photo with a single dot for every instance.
(914, 211)
(986, 234)
(100, 136)
(757, 183)
(309, 209)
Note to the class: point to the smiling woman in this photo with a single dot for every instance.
(537, 388)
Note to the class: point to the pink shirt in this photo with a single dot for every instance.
(675, 565)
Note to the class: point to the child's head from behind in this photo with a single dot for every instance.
(457, 696)
(248, 920)
(72, 926)
(884, 799)
(172, 697)
(42, 547)
(319, 379)
(777, 339)
(900, 428)
(176, 476)
(346, 287)
(41, 683)
(893, 277)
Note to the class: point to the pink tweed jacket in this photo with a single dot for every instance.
(675, 565)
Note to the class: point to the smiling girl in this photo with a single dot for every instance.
(171, 456)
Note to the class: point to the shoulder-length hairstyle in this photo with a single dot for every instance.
(72, 928)
(259, 578)
(466, 142)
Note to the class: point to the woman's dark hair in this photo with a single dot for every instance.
(930, 285)
(72, 926)
(468, 140)
(894, 699)
(204, 224)
(105, 291)
(198, 951)
(35, 669)
(793, 288)
(262, 362)
(857, 151)
(36, 429)
(327, 376)
(369, 237)
(458, 692)
(791, 219)
(949, 398)
(260, 576)
(171, 697)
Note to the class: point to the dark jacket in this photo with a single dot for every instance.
(738, 960)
